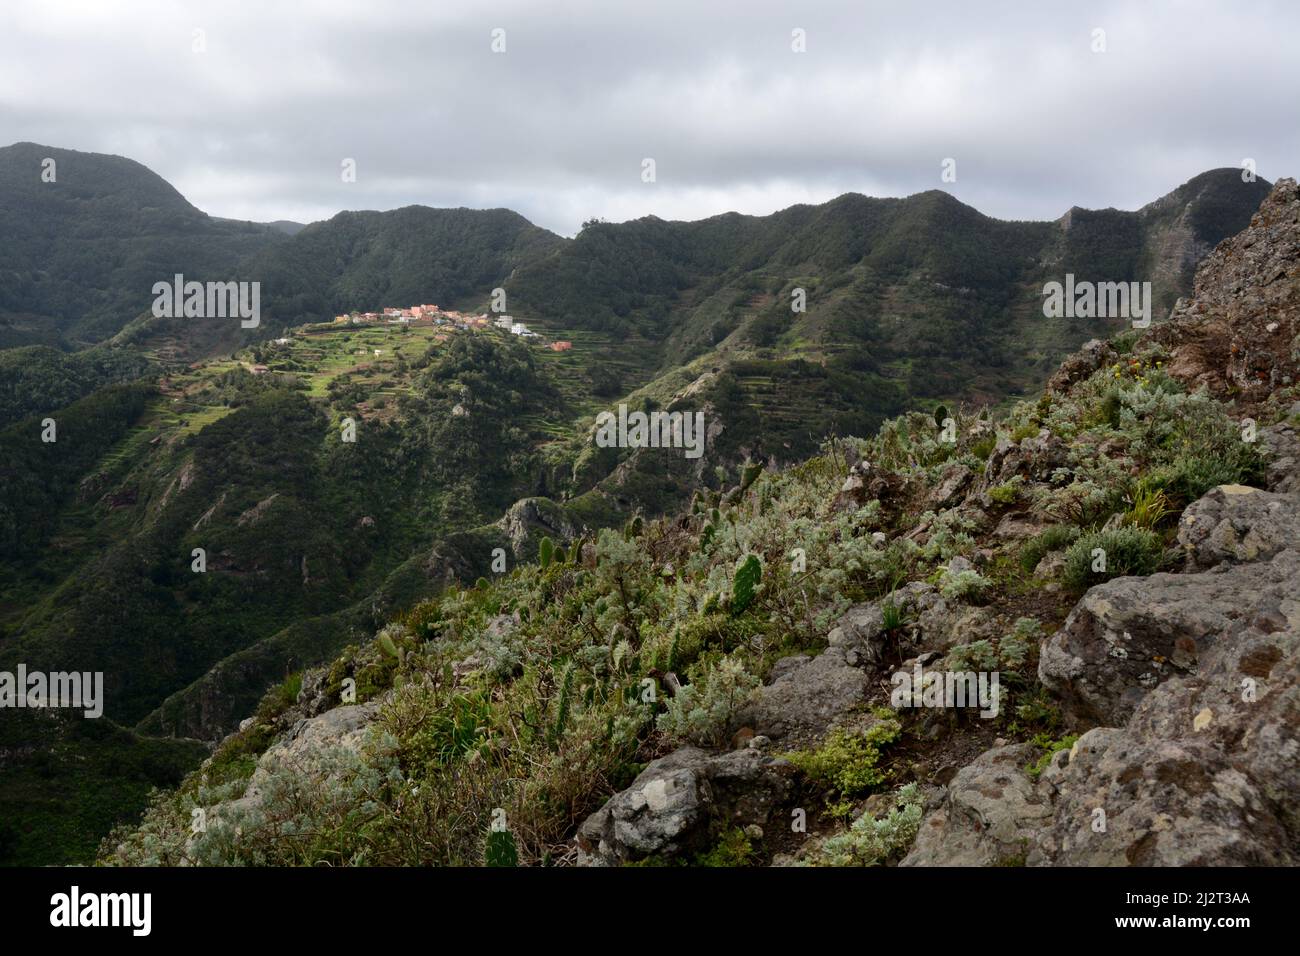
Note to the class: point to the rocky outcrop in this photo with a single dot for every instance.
(1204, 773)
(867, 482)
(529, 519)
(1185, 687)
(1091, 356)
(1281, 444)
(930, 623)
(306, 751)
(668, 809)
(1199, 676)
(257, 512)
(860, 632)
(1033, 458)
(951, 489)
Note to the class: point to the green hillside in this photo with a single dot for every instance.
(82, 253)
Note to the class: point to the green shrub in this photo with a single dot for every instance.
(848, 760)
(733, 848)
(434, 728)
(1128, 551)
(1006, 493)
(1050, 539)
(1197, 473)
(965, 585)
(702, 712)
(981, 448)
(872, 842)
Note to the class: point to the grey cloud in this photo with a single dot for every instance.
(556, 127)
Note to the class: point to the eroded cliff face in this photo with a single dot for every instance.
(1238, 335)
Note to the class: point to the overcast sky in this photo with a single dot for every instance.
(257, 124)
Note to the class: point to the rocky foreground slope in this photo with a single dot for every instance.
(720, 689)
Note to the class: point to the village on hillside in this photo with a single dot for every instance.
(307, 346)
(451, 319)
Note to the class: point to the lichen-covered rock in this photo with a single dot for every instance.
(803, 701)
(667, 810)
(860, 631)
(990, 814)
(1234, 523)
(1126, 798)
(307, 751)
(867, 482)
(1205, 772)
(1130, 634)
(1034, 458)
(344, 726)
(1204, 766)
(528, 519)
(1019, 526)
(1281, 444)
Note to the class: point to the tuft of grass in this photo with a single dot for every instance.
(891, 616)
(983, 447)
(1148, 507)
